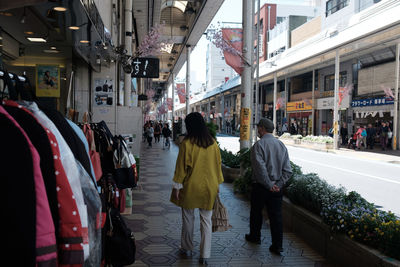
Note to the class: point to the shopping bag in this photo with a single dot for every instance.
(220, 222)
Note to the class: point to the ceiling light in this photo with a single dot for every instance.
(7, 14)
(36, 39)
(84, 41)
(74, 28)
(60, 8)
(51, 51)
(23, 19)
(28, 33)
(53, 47)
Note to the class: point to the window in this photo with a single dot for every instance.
(329, 83)
(333, 6)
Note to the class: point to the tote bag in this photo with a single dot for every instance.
(219, 217)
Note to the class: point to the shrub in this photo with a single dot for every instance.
(212, 128)
(229, 159)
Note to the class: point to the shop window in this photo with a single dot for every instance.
(332, 6)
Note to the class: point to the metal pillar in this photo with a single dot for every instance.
(256, 119)
(286, 99)
(396, 102)
(274, 107)
(128, 47)
(173, 97)
(336, 103)
(188, 50)
(246, 86)
(313, 102)
(222, 105)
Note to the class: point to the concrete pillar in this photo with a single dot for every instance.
(336, 103)
(395, 129)
(188, 50)
(128, 47)
(313, 102)
(246, 86)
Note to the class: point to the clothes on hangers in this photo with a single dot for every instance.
(69, 241)
(45, 241)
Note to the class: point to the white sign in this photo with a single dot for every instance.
(328, 103)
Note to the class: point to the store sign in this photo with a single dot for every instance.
(146, 67)
(372, 102)
(327, 93)
(328, 103)
(298, 106)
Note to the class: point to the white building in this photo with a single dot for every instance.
(217, 71)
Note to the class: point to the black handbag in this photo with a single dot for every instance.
(124, 176)
(120, 246)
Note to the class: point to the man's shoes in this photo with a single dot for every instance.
(185, 253)
(203, 261)
(252, 239)
(275, 250)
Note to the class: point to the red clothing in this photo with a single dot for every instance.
(69, 238)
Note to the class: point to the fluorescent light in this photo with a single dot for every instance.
(84, 41)
(53, 47)
(74, 28)
(51, 51)
(36, 39)
(60, 8)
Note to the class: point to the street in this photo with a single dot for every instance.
(378, 182)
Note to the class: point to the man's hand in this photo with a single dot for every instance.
(275, 188)
(175, 193)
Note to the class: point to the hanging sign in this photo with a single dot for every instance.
(146, 67)
(245, 115)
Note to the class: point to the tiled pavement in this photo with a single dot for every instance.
(156, 223)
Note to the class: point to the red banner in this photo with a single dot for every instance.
(181, 91)
(169, 103)
(234, 38)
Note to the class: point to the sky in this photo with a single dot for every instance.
(225, 14)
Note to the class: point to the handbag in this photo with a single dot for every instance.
(390, 134)
(94, 155)
(125, 172)
(120, 246)
(219, 218)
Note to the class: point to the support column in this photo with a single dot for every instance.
(128, 47)
(274, 107)
(222, 105)
(313, 103)
(396, 102)
(209, 110)
(336, 103)
(246, 86)
(188, 50)
(286, 99)
(173, 98)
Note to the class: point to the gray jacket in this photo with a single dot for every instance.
(270, 162)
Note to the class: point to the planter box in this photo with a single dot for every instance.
(230, 174)
(337, 248)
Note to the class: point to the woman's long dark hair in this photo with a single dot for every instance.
(197, 131)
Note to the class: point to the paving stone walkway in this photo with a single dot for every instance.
(156, 223)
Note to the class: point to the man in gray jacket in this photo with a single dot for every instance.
(271, 170)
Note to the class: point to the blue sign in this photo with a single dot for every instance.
(372, 102)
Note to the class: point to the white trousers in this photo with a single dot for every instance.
(205, 230)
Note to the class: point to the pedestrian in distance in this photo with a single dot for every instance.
(344, 134)
(150, 134)
(371, 133)
(271, 171)
(157, 132)
(166, 132)
(196, 183)
(359, 131)
(383, 135)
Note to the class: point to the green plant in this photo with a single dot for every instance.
(347, 213)
(229, 159)
(212, 128)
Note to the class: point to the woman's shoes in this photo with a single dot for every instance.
(203, 261)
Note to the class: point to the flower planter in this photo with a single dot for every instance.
(337, 248)
(230, 174)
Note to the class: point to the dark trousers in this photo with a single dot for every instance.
(261, 197)
(149, 140)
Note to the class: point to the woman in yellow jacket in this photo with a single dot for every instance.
(196, 181)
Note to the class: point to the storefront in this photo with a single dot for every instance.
(300, 115)
(57, 47)
(373, 111)
(324, 114)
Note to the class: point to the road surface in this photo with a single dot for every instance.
(378, 182)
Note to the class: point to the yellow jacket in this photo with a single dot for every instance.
(199, 170)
